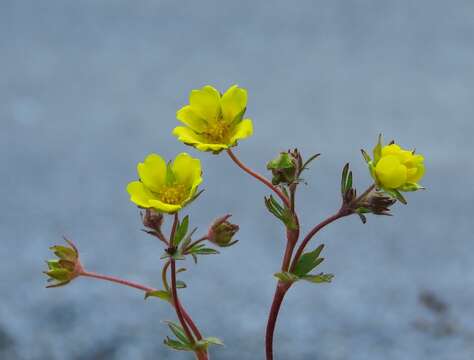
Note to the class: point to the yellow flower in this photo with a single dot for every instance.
(214, 122)
(395, 169)
(166, 187)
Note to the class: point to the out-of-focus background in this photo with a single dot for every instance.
(89, 88)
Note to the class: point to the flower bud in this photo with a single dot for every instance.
(377, 202)
(152, 219)
(66, 267)
(285, 167)
(222, 231)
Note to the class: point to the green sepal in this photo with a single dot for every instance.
(378, 150)
(170, 177)
(319, 278)
(308, 261)
(181, 231)
(366, 156)
(307, 162)
(410, 187)
(396, 195)
(64, 252)
(286, 277)
(238, 118)
(283, 161)
(161, 294)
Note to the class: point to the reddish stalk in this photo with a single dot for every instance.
(260, 178)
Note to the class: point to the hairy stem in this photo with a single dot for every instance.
(260, 178)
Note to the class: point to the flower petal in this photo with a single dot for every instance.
(189, 117)
(139, 194)
(243, 130)
(206, 102)
(233, 102)
(152, 171)
(187, 169)
(162, 207)
(416, 176)
(390, 172)
(189, 137)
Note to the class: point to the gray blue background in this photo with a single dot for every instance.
(89, 88)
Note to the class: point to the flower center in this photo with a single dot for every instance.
(218, 132)
(173, 194)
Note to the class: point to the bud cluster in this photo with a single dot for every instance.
(66, 267)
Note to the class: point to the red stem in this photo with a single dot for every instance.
(280, 292)
(260, 178)
(144, 288)
(341, 213)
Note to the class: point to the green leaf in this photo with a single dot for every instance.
(177, 345)
(308, 261)
(181, 231)
(187, 240)
(282, 213)
(286, 277)
(178, 331)
(161, 294)
(319, 278)
(345, 170)
(204, 343)
(206, 251)
(180, 284)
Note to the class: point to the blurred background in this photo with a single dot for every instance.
(89, 88)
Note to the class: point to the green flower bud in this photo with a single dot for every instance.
(222, 231)
(66, 267)
(285, 167)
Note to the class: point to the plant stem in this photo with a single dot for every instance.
(176, 303)
(280, 292)
(260, 178)
(146, 289)
(341, 213)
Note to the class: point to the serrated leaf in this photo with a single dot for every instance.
(286, 277)
(161, 294)
(319, 278)
(181, 231)
(308, 261)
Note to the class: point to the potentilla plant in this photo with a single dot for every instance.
(215, 122)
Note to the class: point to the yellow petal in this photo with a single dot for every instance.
(189, 137)
(233, 102)
(139, 194)
(152, 171)
(188, 117)
(390, 172)
(162, 207)
(417, 175)
(187, 170)
(206, 103)
(243, 130)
